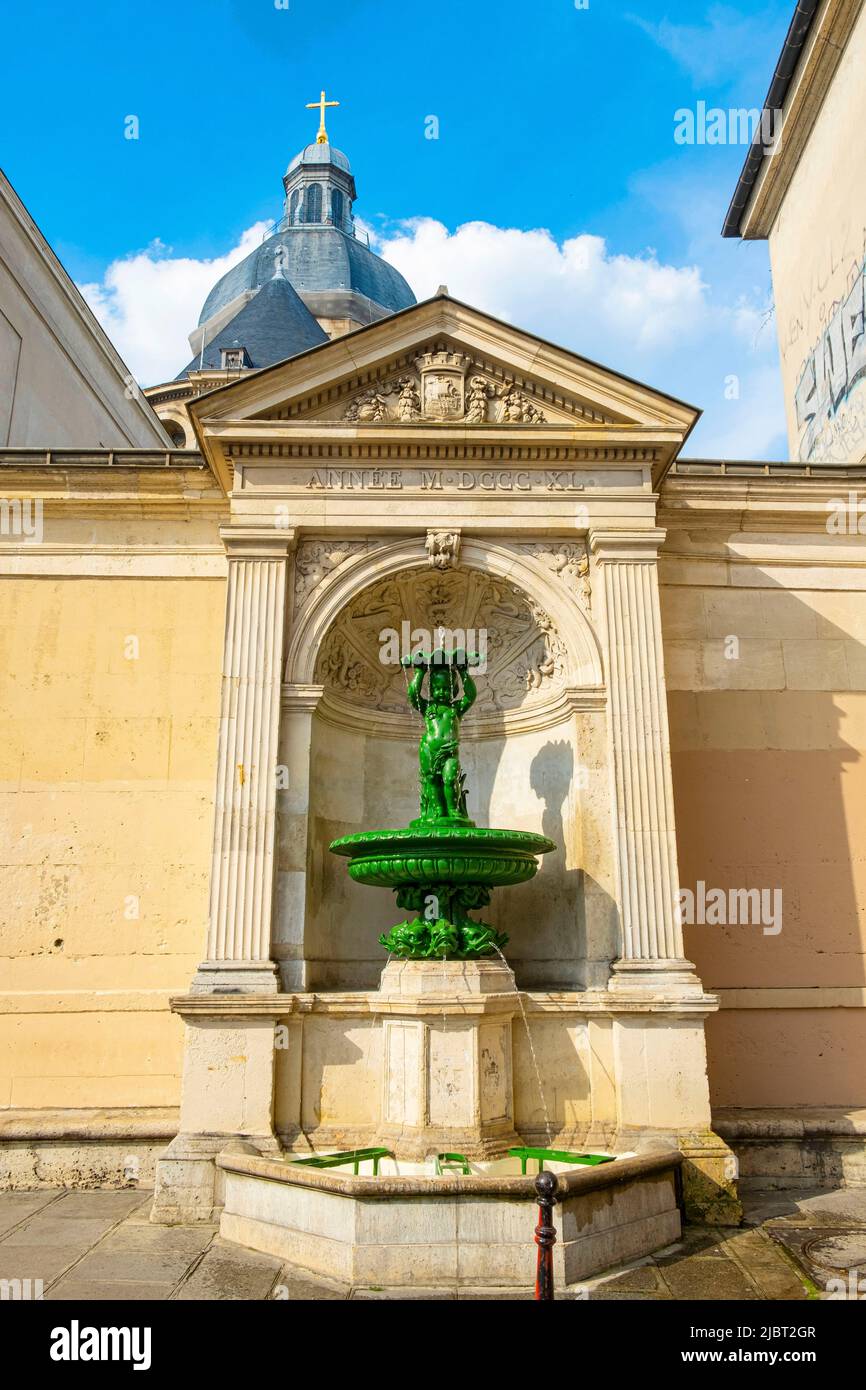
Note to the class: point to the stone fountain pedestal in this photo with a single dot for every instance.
(447, 1081)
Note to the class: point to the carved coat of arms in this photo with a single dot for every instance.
(448, 387)
(443, 384)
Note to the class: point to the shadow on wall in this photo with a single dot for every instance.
(562, 926)
(770, 793)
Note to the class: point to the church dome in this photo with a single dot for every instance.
(323, 153)
(312, 279)
(315, 259)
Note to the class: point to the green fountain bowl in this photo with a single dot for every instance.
(442, 852)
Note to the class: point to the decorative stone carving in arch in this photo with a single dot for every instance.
(542, 654)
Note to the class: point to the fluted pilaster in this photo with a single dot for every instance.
(242, 873)
(652, 945)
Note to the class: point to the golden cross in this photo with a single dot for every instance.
(322, 137)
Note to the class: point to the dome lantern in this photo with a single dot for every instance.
(320, 189)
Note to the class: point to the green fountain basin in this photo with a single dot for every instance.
(441, 870)
(442, 854)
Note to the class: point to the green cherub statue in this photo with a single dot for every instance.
(443, 784)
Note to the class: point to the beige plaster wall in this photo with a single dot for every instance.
(817, 252)
(107, 765)
(770, 791)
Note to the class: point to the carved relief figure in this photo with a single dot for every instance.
(478, 393)
(368, 406)
(518, 409)
(570, 563)
(441, 391)
(442, 548)
(337, 666)
(315, 560)
(442, 398)
(409, 401)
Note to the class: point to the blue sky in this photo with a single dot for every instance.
(552, 120)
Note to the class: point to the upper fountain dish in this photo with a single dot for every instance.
(442, 865)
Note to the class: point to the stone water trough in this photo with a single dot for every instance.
(406, 1228)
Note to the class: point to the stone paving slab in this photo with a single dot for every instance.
(821, 1233)
(117, 1205)
(45, 1262)
(128, 1291)
(150, 1266)
(843, 1207)
(95, 1245)
(293, 1285)
(231, 1273)
(702, 1279)
(50, 1230)
(17, 1206)
(612, 1293)
(134, 1236)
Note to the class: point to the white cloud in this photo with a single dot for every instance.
(661, 323)
(531, 280)
(148, 303)
(726, 46)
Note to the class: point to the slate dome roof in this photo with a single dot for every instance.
(273, 325)
(316, 258)
(321, 154)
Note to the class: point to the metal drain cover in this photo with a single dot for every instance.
(846, 1250)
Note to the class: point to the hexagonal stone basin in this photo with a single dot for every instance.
(409, 1229)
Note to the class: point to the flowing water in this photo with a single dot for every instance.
(547, 1125)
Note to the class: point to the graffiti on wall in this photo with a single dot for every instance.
(830, 398)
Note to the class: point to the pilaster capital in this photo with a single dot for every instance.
(258, 542)
(626, 547)
(303, 699)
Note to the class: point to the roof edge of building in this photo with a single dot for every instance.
(788, 61)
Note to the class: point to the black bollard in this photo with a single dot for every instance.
(545, 1235)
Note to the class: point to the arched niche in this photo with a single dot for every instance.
(534, 748)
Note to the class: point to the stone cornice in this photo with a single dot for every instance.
(764, 503)
(315, 439)
(302, 698)
(69, 460)
(361, 1004)
(341, 360)
(610, 410)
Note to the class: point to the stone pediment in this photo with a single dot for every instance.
(439, 383)
(441, 364)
